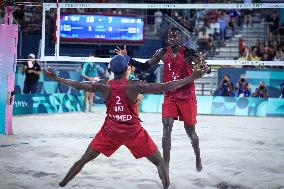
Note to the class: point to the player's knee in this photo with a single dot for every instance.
(193, 136)
(159, 161)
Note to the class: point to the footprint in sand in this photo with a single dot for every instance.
(225, 185)
(147, 186)
(42, 174)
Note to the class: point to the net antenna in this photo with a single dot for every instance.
(59, 6)
(57, 45)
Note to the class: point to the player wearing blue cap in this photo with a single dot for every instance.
(122, 125)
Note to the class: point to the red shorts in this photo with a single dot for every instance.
(140, 145)
(184, 110)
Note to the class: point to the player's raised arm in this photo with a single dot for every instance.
(90, 87)
(142, 87)
(155, 59)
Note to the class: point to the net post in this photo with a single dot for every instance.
(42, 54)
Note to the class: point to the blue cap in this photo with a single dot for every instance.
(118, 63)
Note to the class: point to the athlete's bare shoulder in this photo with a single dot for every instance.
(134, 85)
(101, 84)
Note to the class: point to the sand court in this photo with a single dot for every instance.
(237, 152)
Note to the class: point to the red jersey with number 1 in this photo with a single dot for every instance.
(121, 120)
(175, 68)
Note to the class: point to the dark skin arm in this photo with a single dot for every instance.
(34, 72)
(102, 87)
(133, 88)
(189, 55)
(24, 69)
(137, 87)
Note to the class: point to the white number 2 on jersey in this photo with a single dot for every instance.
(118, 100)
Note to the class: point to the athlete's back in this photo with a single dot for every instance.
(121, 114)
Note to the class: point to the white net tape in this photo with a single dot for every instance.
(165, 6)
(48, 6)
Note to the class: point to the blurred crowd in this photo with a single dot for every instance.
(210, 27)
(269, 50)
(263, 51)
(241, 89)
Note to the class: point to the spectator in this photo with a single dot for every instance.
(222, 20)
(131, 73)
(203, 40)
(132, 76)
(158, 20)
(266, 57)
(242, 45)
(261, 91)
(247, 15)
(226, 88)
(32, 70)
(252, 55)
(89, 74)
(279, 56)
(210, 28)
(243, 56)
(243, 87)
(234, 18)
(106, 74)
(260, 50)
(274, 25)
(216, 27)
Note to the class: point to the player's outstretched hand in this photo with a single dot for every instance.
(120, 51)
(201, 63)
(200, 71)
(50, 72)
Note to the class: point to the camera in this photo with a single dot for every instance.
(261, 88)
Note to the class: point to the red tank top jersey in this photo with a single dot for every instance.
(175, 68)
(121, 118)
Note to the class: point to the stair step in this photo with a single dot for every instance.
(223, 49)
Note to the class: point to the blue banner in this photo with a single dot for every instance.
(219, 105)
(52, 103)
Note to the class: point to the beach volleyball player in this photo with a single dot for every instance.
(122, 125)
(178, 103)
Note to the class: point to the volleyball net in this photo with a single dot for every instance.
(67, 26)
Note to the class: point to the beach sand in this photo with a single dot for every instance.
(237, 152)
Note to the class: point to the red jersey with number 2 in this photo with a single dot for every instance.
(121, 120)
(175, 68)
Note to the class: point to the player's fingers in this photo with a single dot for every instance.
(118, 48)
(206, 69)
(124, 47)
